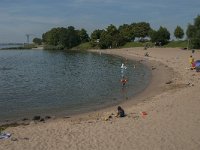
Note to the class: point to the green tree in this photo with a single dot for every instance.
(95, 36)
(125, 31)
(153, 35)
(118, 40)
(112, 30)
(190, 31)
(37, 41)
(141, 29)
(178, 32)
(84, 37)
(162, 35)
(51, 37)
(111, 38)
(72, 38)
(62, 37)
(105, 40)
(193, 33)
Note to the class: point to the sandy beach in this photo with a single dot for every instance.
(171, 101)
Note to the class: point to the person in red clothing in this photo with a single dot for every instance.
(123, 81)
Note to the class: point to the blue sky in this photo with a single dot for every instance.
(20, 17)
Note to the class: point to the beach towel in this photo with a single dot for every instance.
(4, 135)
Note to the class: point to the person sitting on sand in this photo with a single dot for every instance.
(146, 54)
(120, 112)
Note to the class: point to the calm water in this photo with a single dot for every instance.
(37, 82)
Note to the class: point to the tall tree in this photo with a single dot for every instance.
(125, 31)
(153, 35)
(112, 30)
(111, 38)
(95, 37)
(141, 29)
(83, 36)
(162, 35)
(37, 41)
(105, 40)
(51, 37)
(73, 38)
(96, 34)
(62, 37)
(178, 32)
(193, 33)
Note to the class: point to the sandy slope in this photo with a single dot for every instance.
(172, 123)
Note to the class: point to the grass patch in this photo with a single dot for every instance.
(171, 44)
(176, 44)
(52, 47)
(133, 44)
(83, 46)
(137, 44)
(87, 45)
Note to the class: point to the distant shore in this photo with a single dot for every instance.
(171, 103)
(22, 47)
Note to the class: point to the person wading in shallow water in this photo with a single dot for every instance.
(123, 81)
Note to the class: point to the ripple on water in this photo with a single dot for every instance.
(37, 82)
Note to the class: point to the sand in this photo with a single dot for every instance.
(172, 121)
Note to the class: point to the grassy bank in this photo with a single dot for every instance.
(87, 45)
(177, 44)
(83, 46)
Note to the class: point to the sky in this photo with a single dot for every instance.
(35, 17)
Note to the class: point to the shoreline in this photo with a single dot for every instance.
(171, 101)
(25, 120)
(139, 97)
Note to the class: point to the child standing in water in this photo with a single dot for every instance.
(123, 81)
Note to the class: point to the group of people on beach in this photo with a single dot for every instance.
(124, 80)
(194, 64)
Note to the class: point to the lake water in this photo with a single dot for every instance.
(39, 82)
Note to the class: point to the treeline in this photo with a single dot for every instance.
(113, 37)
(64, 38)
(193, 33)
